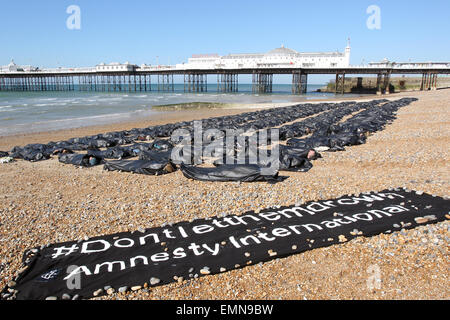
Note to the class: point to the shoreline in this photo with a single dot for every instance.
(63, 110)
(168, 116)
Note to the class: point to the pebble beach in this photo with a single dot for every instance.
(47, 202)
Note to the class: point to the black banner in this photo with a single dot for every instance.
(156, 256)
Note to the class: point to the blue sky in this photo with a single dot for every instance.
(35, 32)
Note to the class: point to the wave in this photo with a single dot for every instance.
(107, 115)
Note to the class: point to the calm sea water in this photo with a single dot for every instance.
(22, 112)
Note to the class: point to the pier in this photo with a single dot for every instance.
(196, 80)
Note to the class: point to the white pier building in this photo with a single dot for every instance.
(277, 58)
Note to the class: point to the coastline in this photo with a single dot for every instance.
(29, 112)
(168, 116)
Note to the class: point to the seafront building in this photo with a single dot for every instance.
(115, 66)
(277, 58)
(386, 63)
(282, 57)
(13, 67)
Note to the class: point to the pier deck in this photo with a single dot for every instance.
(195, 80)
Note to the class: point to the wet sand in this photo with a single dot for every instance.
(47, 202)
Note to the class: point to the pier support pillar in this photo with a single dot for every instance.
(429, 81)
(340, 83)
(147, 82)
(165, 82)
(227, 82)
(195, 82)
(379, 78)
(262, 82)
(423, 84)
(383, 83)
(387, 83)
(299, 82)
(434, 82)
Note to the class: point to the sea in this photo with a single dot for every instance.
(26, 112)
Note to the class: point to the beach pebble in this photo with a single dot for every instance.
(23, 269)
(355, 232)
(123, 289)
(154, 281)
(205, 270)
(97, 292)
(420, 220)
(66, 296)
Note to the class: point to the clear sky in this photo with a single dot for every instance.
(139, 31)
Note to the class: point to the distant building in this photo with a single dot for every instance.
(385, 63)
(115, 66)
(278, 58)
(382, 64)
(13, 67)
